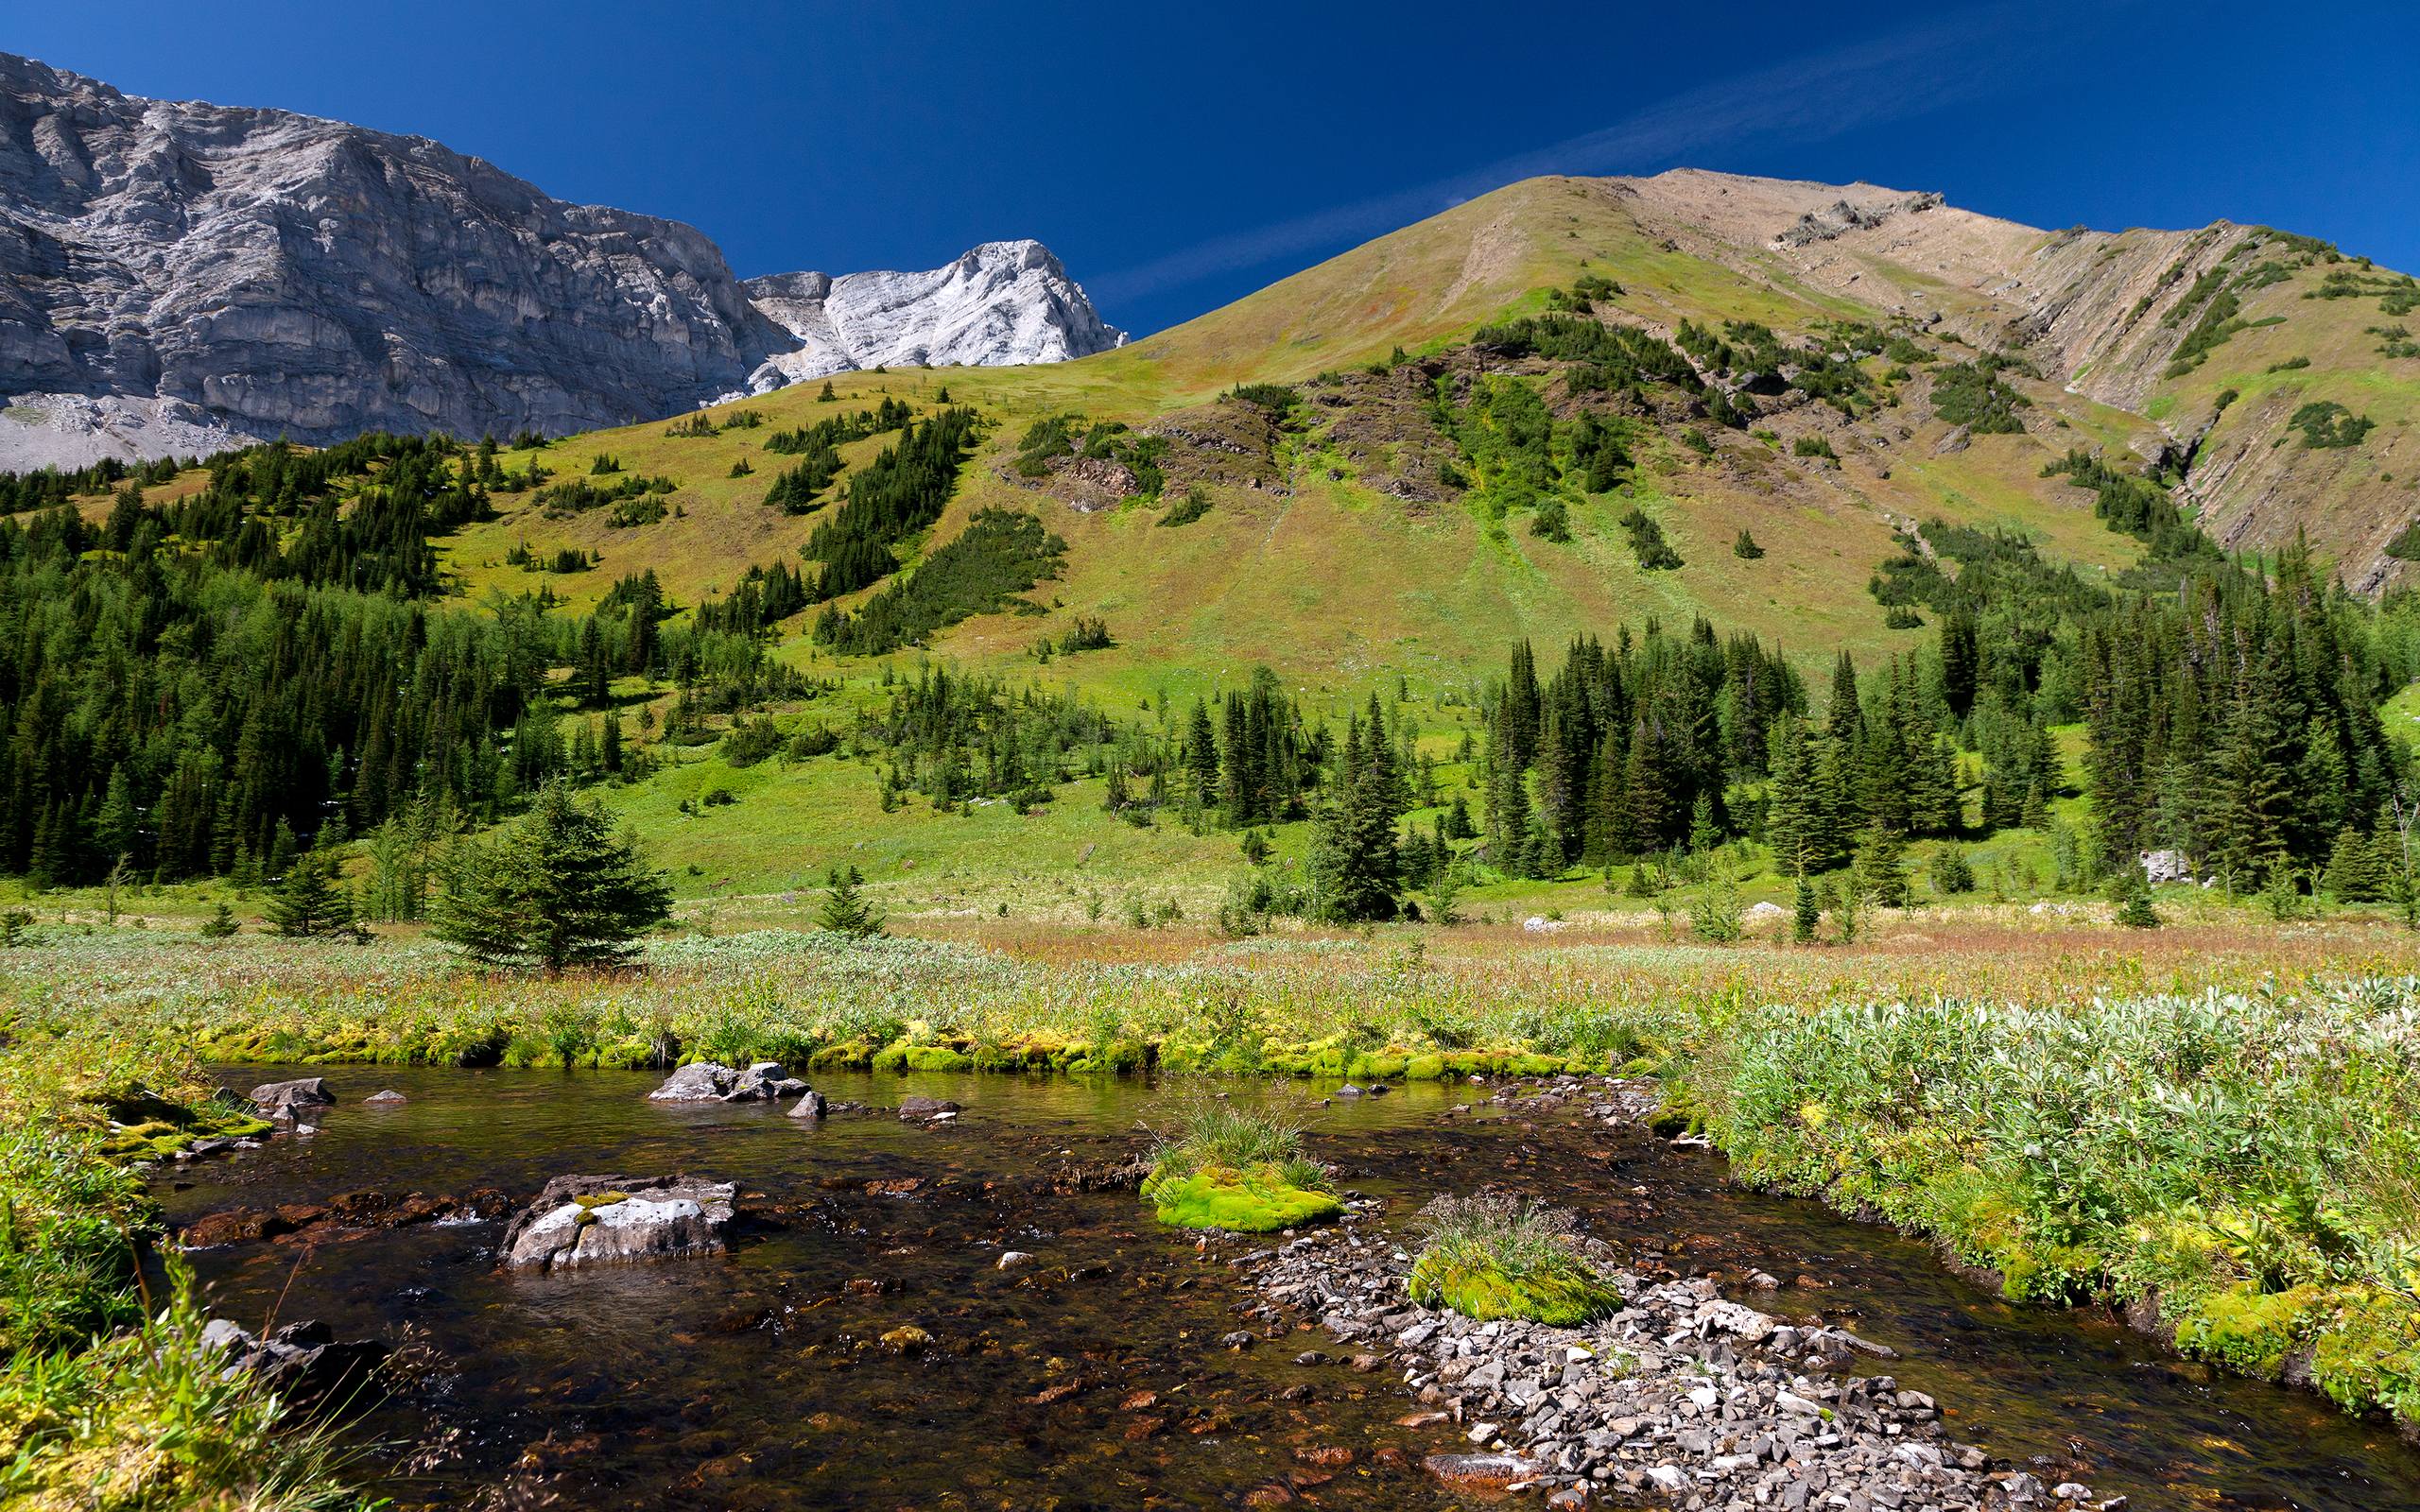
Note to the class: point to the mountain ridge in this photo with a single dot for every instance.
(184, 275)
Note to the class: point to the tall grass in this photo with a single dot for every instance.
(2245, 1160)
(101, 1405)
(1215, 1134)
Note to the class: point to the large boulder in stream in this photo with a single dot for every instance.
(707, 1081)
(589, 1220)
(305, 1092)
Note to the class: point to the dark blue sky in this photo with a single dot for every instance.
(1180, 155)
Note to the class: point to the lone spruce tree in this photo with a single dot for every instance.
(845, 910)
(559, 887)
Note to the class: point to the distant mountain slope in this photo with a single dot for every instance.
(174, 277)
(2220, 342)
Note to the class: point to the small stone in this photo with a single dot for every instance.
(907, 1339)
(1240, 1339)
(2071, 1491)
(389, 1095)
(1485, 1432)
(1011, 1259)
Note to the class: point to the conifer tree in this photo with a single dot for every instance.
(115, 830)
(559, 887)
(1357, 863)
(1806, 915)
(1882, 868)
(312, 901)
(2134, 908)
(1793, 825)
(845, 910)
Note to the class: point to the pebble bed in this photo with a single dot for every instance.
(1682, 1397)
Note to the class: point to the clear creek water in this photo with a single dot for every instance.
(1093, 1377)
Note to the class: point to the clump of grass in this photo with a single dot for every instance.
(1238, 1166)
(1491, 1258)
(149, 1420)
(1238, 1136)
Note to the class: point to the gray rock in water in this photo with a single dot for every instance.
(925, 1110)
(702, 1082)
(389, 1095)
(312, 1090)
(589, 1220)
(707, 1082)
(763, 1081)
(810, 1104)
(303, 1361)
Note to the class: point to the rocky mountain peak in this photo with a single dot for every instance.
(179, 277)
(1001, 303)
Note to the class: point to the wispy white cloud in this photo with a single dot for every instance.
(1904, 74)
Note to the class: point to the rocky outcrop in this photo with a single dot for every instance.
(180, 277)
(589, 1220)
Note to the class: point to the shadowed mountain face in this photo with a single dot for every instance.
(179, 276)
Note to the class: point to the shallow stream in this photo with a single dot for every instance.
(1093, 1377)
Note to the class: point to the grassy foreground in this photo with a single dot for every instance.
(2216, 1125)
(109, 1399)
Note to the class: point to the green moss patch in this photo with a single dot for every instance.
(1253, 1201)
(1565, 1297)
(2247, 1331)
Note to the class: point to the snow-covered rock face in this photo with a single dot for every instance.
(1004, 302)
(180, 277)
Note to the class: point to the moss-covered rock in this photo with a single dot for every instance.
(1254, 1201)
(1565, 1296)
(933, 1057)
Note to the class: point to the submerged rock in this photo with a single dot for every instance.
(925, 1110)
(586, 1220)
(345, 1215)
(1479, 1472)
(303, 1092)
(708, 1081)
(389, 1095)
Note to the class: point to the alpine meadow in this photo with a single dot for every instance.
(1684, 840)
